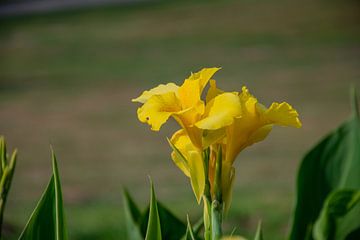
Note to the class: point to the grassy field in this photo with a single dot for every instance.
(66, 79)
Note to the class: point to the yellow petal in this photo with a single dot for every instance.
(158, 108)
(190, 91)
(249, 103)
(179, 142)
(204, 75)
(161, 89)
(197, 174)
(194, 165)
(220, 111)
(259, 134)
(282, 114)
(213, 91)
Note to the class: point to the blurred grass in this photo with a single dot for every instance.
(67, 79)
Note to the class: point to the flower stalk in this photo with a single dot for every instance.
(217, 204)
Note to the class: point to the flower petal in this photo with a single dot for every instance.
(158, 108)
(282, 114)
(220, 112)
(181, 144)
(197, 174)
(213, 91)
(161, 89)
(259, 134)
(204, 75)
(190, 91)
(189, 159)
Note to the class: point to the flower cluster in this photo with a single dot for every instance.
(213, 130)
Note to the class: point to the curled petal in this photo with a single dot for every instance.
(157, 109)
(282, 114)
(161, 89)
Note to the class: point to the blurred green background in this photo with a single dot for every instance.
(67, 78)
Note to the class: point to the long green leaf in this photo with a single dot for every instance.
(333, 164)
(338, 206)
(132, 217)
(153, 231)
(47, 220)
(259, 234)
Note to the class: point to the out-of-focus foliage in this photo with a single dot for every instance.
(334, 221)
(332, 165)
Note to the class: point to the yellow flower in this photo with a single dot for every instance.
(183, 103)
(244, 122)
(231, 121)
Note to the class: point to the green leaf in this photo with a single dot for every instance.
(171, 227)
(189, 235)
(7, 170)
(153, 231)
(132, 217)
(259, 234)
(338, 206)
(47, 220)
(331, 165)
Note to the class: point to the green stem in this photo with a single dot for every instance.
(216, 220)
(217, 205)
(207, 196)
(218, 170)
(206, 156)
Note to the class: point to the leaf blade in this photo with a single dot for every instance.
(47, 221)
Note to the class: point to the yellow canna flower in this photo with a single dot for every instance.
(244, 122)
(230, 121)
(183, 103)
